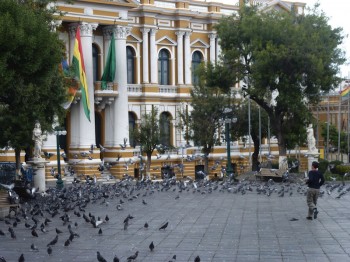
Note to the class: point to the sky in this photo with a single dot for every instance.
(338, 12)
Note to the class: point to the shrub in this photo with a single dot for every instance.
(333, 166)
(323, 165)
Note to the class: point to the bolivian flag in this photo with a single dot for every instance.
(79, 68)
(345, 93)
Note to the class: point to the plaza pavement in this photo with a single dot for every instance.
(218, 226)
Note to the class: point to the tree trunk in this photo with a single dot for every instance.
(148, 165)
(255, 156)
(277, 126)
(18, 162)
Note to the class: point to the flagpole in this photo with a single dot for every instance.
(347, 129)
(339, 126)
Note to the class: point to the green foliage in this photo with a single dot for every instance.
(329, 176)
(210, 98)
(31, 86)
(323, 165)
(147, 134)
(291, 161)
(342, 169)
(298, 56)
(333, 137)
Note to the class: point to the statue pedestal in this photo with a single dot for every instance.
(311, 157)
(38, 165)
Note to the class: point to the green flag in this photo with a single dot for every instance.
(109, 71)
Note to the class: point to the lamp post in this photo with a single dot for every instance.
(141, 167)
(58, 133)
(228, 121)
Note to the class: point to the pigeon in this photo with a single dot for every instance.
(293, 219)
(145, 225)
(48, 155)
(144, 202)
(67, 242)
(133, 257)
(115, 259)
(164, 226)
(100, 231)
(2, 233)
(34, 248)
(21, 258)
(197, 259)
(49, 250)
(151, 246)
(34, 233)
(58, 231)
(53, 242)
(100, 258)
(126, 224)
(12, 233)
(8, 187)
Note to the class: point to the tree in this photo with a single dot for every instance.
(31, 86)
(240, 129)
(147, 135)
(209, 100)
(285, 61)
(333, 135)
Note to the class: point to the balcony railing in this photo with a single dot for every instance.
(111, 87)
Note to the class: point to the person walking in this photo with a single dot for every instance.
(314, 181)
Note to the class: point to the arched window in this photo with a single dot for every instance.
(196, 60)
(132, 126)
(165, 129)
(163, 67)
(95, 65)
(130, 63)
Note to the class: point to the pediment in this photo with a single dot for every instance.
(199, 44)
(277, 5)
(133, 39)
(165, 40)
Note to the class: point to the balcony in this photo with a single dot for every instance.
(106, 96)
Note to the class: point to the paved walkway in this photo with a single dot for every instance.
(218, 226)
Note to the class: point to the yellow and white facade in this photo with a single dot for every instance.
(158, 44)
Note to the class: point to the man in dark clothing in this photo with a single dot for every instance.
(314, 181)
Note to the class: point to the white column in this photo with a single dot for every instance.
(187, 58)
(218, 50)
(172, 61)
(145, 63)
(212, 48)
(120, 106)
(87, 128)
(72, 31)
(154, 57)
(180, 63)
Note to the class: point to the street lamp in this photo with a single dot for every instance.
(228, 121)
(58, 133)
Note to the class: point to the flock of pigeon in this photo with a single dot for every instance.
(61, 216)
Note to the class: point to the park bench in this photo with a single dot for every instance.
(5, 206)
(265, 173)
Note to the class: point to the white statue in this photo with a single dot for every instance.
(38, 138)
(311, 141)
(274, 95)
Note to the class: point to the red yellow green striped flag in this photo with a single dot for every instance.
(79, 68)
(345, 92)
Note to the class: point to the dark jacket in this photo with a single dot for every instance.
(315, 180)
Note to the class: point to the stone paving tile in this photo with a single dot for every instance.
(217, 227)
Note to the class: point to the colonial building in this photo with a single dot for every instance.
(158, 45)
